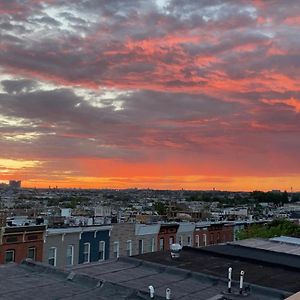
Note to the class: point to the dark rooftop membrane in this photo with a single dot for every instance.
(261, 267)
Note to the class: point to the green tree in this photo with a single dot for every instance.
(275, 228)
(160, 208)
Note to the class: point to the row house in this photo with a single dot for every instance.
(66, 247)
(19, 243)
(129, 239)
(166, 236)
(185, 234)
(146, 236)
(212, 233)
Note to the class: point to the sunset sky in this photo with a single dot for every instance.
(193, 94)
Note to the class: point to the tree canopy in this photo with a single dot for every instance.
(275, 228)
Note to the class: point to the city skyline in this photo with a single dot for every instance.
(150, 94)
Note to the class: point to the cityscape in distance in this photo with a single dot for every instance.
(149, 149)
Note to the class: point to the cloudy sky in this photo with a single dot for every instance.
(194, 94)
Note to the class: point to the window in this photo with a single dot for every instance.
(31, 253)
(9, 256)
(141, 246)
(86, 252)
(129, 248)
(161, 244)
(189, 241)
(52, 256)
(204, 239)
(211, 238)
(180, 240)
(101, 250)
(70, 255)
(116, 249)
(171, 240)
(197, 241)
(152, 245)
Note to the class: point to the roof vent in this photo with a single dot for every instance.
(175, 250)
(151, 291)
(168, 294)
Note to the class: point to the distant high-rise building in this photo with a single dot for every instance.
(15, 184)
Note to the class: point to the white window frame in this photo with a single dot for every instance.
(171, 240)
(181, 240)
(34, 249)
(204, 239)
(88, 253)
(161, 244)
(197, 242)
(52, 257)
(13, 256)
(101, 245)
(153, 244)
(129, 248)
(117, 247)
(72, 255)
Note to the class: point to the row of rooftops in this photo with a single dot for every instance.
(153, 227)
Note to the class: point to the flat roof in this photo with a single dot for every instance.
(184, 284)
(274, 244)
(276, 272)
(37, 281)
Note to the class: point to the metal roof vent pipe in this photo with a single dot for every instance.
(241, 282)
(175, 250)
(151, 291)
(168, 293)
(229, 279)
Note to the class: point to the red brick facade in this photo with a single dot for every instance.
(213, 234)
(19, 243)
(166, 236)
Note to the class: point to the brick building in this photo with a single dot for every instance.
(212, 233)
(19, 243)
(166, 236)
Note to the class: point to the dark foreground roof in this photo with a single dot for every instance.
(271, 270)
(184, 284)
(125, 278)
(36, 281)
